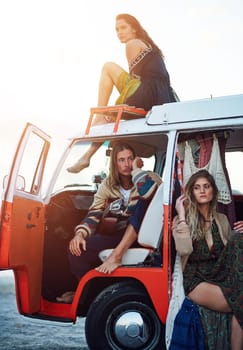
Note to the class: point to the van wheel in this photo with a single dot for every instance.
(122, 318)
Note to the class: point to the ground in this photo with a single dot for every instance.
(19, 332)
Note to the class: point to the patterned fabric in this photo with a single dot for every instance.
(145, 185)
(214, 166)
(217, 329)
(176, 301)
(139, 57)
(127, 85)
(147, 84)
(222, 265)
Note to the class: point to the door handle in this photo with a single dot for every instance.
(30, 225)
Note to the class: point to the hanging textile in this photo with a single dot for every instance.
(214, 167)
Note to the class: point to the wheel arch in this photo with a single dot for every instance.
(110, 307)
(96, 285)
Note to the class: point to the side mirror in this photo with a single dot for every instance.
(20, 183)
(98, 178)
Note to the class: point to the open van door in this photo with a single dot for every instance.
(23, 218)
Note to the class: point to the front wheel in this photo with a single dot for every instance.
(122, 318)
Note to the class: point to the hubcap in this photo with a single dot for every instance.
(131, 330)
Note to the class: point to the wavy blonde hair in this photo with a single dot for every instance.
(194, 218)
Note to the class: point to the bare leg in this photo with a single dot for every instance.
(84, 161)
(115, 259)
(236, 335)
(109, 78)
(210, 296)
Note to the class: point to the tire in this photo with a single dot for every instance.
(123, 318)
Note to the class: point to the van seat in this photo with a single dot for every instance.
(149, 233)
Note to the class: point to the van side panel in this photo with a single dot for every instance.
(22, 251)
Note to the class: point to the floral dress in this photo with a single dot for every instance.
(221, 265)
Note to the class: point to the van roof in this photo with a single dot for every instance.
(198, 110)
(203, 113)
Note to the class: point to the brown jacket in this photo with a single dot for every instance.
(183, 240)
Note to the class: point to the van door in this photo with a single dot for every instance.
(23, 218)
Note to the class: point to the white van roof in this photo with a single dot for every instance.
(198, 110)
(187, 115)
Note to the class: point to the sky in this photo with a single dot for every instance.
(52, 51)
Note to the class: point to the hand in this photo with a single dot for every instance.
(238, 226)
(77, 242)
(137, 163)
(180, 207)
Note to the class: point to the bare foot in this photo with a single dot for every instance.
(81, 164)
(100, 119)
(109, 265)
(66, 297)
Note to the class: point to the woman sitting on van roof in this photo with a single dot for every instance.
(147, 83)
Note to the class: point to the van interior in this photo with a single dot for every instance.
(73, 193)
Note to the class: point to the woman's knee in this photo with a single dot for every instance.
(111, 69)
(210, 296)
(108, 66)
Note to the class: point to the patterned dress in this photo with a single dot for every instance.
(223, 266)
(148, 82)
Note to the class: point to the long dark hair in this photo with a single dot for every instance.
(114, 179)
(140, 31)
(194, 218)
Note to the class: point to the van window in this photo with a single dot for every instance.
(30, 167)
(234, 162)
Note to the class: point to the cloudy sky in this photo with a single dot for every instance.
(52, 52)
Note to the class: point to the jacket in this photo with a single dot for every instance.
(183, 240)
(145, 185)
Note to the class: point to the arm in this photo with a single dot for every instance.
(133, 48)
(182, 237)
(92, 219)
(146, 182)
(89, 224)
(180, 229)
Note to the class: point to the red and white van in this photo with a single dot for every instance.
(126, 309)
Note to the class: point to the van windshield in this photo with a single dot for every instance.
(90, 177)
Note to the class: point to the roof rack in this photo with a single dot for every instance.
(115, 114)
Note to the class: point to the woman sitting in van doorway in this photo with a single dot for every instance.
(211, 255)
(147, 83)
(128, 181)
